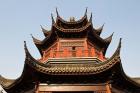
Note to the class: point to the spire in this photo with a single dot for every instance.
(109, 39)
(52, 19)
(36, 41)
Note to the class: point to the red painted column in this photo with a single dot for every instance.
(101, 57)
(92, 52)
(85, 49)
(58, 49)
(65, 52)
(86, 53)
(43, 57)
(36, 87)
(79, 52)
(108, 88)
(51, 53)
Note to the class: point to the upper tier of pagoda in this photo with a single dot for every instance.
(72, 23)
(72, 33)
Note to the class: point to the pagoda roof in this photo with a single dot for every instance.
(72, 23)
(33, 67)
(72, 29)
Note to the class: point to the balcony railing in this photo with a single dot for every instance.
(72, 53)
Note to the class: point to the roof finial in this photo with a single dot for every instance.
(72, 19)
(119, 47)
(101, 28)
(36, 41)
(52, 19)
(109, 39)
(103, 25)
(25, 44)
(27, 53)
(42, 29)
(90, 20)
(41, 26)
(120, 42)
(57, 12)
(112, 34)
(25, 48)
(86, 11)
(32, 36)
(117, 52)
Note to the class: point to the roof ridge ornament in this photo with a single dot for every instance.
(90, 19)
(118, 50)
(100, 29)
(102, 26)
(109, 39)
(36, 41)
(120, 44)
(52, 19)
(57, 12)
(25, 48)
(86, 11)
(72, 19)
(27, 53)
(45, 32)
(42, 29)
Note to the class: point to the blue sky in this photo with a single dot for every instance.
(20, 18)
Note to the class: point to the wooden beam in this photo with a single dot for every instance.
(72, 88)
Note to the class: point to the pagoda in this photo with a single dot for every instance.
(72, 61)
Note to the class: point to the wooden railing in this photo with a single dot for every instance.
(72, 53)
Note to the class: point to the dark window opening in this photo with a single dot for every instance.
(73, 51)
(73, 48)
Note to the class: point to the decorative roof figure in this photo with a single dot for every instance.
(72, 19)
